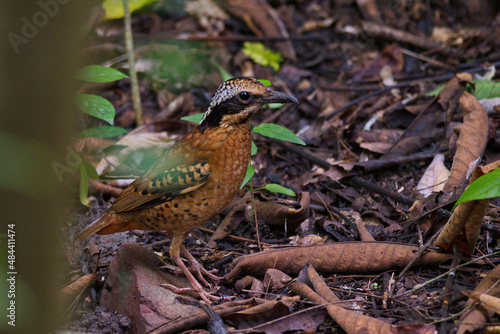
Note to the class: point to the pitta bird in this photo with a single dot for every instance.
(196, 178)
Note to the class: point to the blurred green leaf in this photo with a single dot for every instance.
(98, 73)
(277, 131)
(486, 186)
(196, 118)
(436, 91)
(262, 55)
(275, 105)
(481, 89)
(96, 106)
(486, 89)
(89, 168)
(224, 74)
(114, 8)
(84, 187)
(254, 149)
(276, 188)
(265, 82)
(102, 132)
(248, 176)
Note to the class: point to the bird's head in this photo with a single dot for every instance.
(237, 100)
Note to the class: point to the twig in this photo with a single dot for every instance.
(356, 179)
(254, 214)
(420, 286)
(377, 30)
(136, 96)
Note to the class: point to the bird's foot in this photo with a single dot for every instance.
(205, 295)
(196, 267)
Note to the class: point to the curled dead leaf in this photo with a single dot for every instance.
(478, 316)
(71, 292)
(343, 257)
(464, 225)
(434, 177)
(471, 142)
(279, 214)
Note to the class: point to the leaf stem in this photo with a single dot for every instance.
(129, 43)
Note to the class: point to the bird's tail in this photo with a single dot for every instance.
(108, 223)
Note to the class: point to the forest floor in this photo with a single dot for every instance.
(362, 74)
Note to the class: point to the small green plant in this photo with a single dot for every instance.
(481, 89)
(486, 186)
(262, 55)
(100, 108)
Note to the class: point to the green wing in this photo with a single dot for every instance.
(164, 181)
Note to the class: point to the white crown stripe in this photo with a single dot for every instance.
(226, 91)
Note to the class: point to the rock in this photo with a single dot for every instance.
(276, 279)
(133, 289)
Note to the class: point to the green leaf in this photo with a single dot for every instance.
(224, 74)
(276, 188)
(279, 132)
(254, 149)
(102, 132)
(89, 168)
(196, 118)
(98, 73)
(84, 187)
(275, 105)
(481, 89)
(486, 186)
(86, 171)
(114, 8)
(486, 89)
(265, 82)
(261, 55)
(436, 91)
(96, 106)
(248, 176)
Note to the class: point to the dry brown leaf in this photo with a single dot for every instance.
(266, 311)
(263, 20)
(71, 293)
(311, 239)
(471, 142)
(74, 289)
(344, 257)
(476, 318)
(320, 286)
(364, 235)
(434, 177)
(244, 282)
(354, 323)
(464, 225)
(428, 127)
(487, 300)
(279, 214)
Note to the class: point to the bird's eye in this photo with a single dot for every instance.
(245, 96)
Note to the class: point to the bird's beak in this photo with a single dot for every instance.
(279, 97)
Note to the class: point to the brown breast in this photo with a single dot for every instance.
(228, 153)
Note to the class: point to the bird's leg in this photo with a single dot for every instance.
(196, 267)
(175, 252)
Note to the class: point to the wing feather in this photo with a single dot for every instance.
(161, 184)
